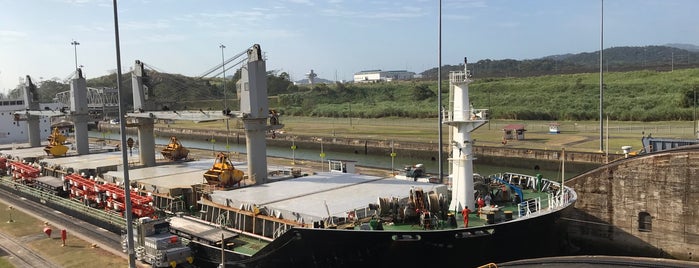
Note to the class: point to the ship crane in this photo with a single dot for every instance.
(32, 112)
(210, 71)
(254, 112)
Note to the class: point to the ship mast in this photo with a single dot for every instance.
(463, 119)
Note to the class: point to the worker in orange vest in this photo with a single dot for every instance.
(465, 213)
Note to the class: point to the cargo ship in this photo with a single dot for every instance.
(249, 214)
(339, 218)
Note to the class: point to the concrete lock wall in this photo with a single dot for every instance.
(382, 147)
(613, 198)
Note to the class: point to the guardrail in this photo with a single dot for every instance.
(85, 212)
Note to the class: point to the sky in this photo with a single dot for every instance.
(335, 38)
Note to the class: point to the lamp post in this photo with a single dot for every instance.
(75, 51)
(601, 80)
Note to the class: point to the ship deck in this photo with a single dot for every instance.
(475, 219)
(316, 197)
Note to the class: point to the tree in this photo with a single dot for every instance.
(422, 92)
(49, 88)
(285, 76)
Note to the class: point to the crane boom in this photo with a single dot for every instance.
(219, 66)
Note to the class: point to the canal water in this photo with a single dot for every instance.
(375, 161)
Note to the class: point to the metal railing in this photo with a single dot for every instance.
(459, 77)
(465, 115)
(72, 205)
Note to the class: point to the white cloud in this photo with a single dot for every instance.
(162, 38)
(92, 28)
(11, 36)
(84, 2)
(144, 25)
(457, 17)
(402, 13)
(460, 4)
(304, 2)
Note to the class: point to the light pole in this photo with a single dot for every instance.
(75, 51)
(601, 81)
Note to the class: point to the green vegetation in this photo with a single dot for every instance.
(4, 263)
(628, 96)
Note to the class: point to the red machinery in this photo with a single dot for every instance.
(115, 198)
(108, 196)
(3, 166)
(84, 189)
(24, 172)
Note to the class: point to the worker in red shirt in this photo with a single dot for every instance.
(481, 203)
(465, 213)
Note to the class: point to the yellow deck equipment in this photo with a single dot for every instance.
(222, 173)
(175, 151)
(56, 147)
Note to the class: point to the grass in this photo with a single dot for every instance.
(4, 263)
(575, 135)
(76, 253)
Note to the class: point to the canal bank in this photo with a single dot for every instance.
(492, 155)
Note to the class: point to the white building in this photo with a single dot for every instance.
(371, 76)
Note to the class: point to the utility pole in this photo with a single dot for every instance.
(439, 95)
(124, 157)
(601, 82)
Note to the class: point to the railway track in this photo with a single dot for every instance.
(22, 256)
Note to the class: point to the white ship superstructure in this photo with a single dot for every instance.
(463, 120)
(12, 131)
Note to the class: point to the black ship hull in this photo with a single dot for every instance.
(535, 237)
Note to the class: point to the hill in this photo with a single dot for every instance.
(616, 59)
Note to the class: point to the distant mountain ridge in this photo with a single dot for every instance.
(659, 58)
(689, 47)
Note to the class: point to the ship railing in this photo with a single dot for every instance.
(280, 230)
(459, 77)
(465, 115)
(354, 214)
(521, 180)
(557, 199)
(528, 207)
